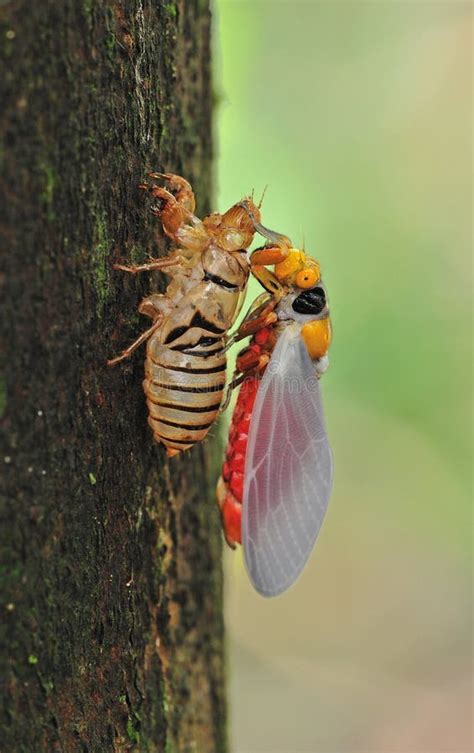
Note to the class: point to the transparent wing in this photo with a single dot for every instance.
(288, 469)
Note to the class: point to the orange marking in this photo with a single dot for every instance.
(317, 337)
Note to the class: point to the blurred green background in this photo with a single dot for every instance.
(358, 115)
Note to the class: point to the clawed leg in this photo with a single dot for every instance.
(153, 305)
(260, 259)
(180, 188)
(175, 208)
(276, 252)
(255, 320)
(253, 358)
(253, 325)
(143, 337)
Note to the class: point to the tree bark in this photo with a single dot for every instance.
(111, 599)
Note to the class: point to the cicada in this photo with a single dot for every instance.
(209, 268)
(277, 476)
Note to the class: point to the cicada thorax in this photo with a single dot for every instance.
(186, 363)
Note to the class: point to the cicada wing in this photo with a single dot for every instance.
(288, 469)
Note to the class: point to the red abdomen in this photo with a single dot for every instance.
(231, 483)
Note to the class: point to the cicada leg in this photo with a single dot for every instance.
(256, 319)
(253, 325)
(236, 382)
(251, 359)
(181, 189)
(174, 260)
(260, 259)
(131, 348)
(269, 255)
(175, 208)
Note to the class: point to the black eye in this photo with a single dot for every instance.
(310, 301)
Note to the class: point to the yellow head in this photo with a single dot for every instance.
(298, 270)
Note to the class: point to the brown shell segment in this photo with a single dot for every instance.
(184, 392)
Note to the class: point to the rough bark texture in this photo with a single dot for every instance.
(111, 600)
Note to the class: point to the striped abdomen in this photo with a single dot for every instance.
(184, 389)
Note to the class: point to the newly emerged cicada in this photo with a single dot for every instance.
(277, 475)
(209, 270)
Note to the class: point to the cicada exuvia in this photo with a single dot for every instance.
(186, 343)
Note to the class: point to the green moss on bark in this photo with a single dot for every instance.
(100, 261)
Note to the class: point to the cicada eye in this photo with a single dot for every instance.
(306, 278)
(310, 302)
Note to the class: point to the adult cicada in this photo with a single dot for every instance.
(277, 475)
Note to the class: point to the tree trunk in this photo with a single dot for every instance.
(112, 630)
